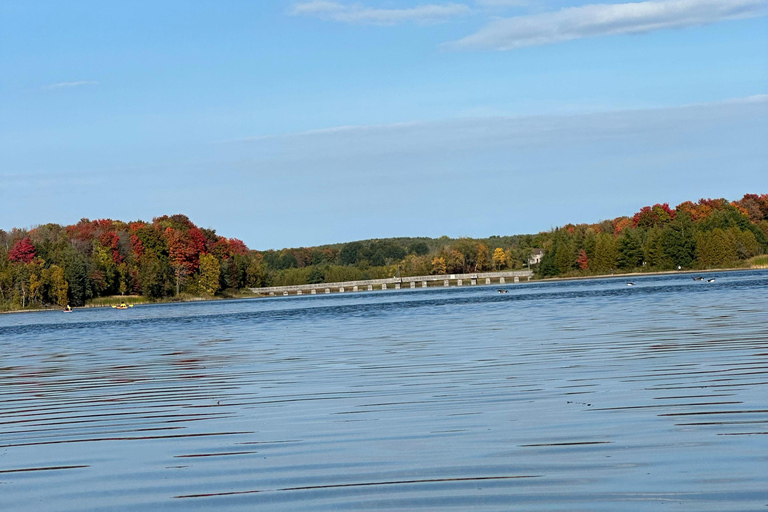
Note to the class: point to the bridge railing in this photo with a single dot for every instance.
(397, 282)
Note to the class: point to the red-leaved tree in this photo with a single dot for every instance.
(22, 251)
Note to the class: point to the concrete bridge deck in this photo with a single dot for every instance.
(397, 283)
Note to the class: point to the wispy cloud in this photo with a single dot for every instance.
(502, 3)
(606, 19)
(66, 85)
(361, 14)
(513, 132)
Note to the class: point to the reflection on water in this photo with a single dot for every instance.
(585, 395)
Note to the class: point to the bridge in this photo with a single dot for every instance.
(397, 283)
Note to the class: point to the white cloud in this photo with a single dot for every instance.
(502, 3)
(358, 13)
(606, 19)
(64, 85)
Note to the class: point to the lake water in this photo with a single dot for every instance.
(581, 395)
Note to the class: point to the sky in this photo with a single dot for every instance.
(296, 123)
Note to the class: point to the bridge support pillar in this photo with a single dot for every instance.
(299, 292)
(327, 290)
(423, 284)
(501, 280)
(285, 292)
(384, 286)
(355, 288)
(517, 279)
(413, 284)
(271, 294)
(487, 280)
(397, 286)
(313, 291)
(446, 283)
(370, 287)
(459, 282)
(341, 289)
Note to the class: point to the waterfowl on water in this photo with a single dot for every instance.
(630, 284)
(697, 278)
(503, 291)
(711, 280)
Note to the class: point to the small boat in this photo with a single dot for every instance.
(123, 306)
(66, 311)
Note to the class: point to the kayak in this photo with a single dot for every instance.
(123, 307)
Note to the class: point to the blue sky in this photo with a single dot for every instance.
(289, 123)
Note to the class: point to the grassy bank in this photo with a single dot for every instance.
(114, 300)
(759, 261)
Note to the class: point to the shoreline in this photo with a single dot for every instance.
(541, 280)
(654, 273)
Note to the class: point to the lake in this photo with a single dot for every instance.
(578, 395)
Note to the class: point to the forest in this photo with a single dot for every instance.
(171, 258)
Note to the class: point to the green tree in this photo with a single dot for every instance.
(715, 248)
(547, 267)
(606, 253)
(76, 275)
(653, 249)
(419, 248)
(678, 241)
(564, 252)
(315, 276)
(630, 252)
(155, 276)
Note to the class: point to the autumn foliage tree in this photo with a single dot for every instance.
(22, 251)
(499, 258)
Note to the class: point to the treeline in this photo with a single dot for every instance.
(709, 234)
(60, 265)
(375, 259)
(170, 256)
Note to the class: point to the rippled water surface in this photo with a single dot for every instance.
(588, 395)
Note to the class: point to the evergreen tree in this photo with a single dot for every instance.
(630, 252)
(678, 242)
(76, 275)
(315, 276)
(605, 254)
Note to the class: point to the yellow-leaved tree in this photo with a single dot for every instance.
(499, 258)
(209, 274)
(59, 286)
(438, 265)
